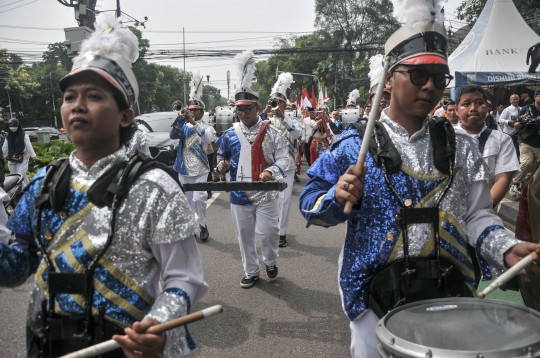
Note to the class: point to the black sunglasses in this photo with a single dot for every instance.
(246, 110)
(419, 77)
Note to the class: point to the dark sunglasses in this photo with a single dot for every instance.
(419, 77)
(246, 110)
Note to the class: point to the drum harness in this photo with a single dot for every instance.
(413, 279)
(60, 334)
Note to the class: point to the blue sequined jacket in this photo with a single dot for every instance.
(275, 149)
(374, 237)
(126, 279)
(191, 159)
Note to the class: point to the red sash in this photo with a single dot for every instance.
(258, 163)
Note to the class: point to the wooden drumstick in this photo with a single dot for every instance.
(111, 345)
(370, 125)
(505, 277)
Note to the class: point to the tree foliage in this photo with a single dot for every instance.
(358, 28)
(469, 10)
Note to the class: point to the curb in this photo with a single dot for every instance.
(508, 211)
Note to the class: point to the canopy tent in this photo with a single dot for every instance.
(496, 49)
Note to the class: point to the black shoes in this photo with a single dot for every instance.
(282, 241)
(296, 178)
(204, 233)
(248, 281)
(271, 271)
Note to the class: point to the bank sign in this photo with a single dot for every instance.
(494, 78)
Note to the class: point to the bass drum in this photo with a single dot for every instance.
(349, 116)
(224, 119)
(459, 327)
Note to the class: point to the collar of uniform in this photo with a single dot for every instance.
(255, 127)
(86, 174)
(475, 136)
(399, 130)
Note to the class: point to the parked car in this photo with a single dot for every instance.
(33, 132)
(158, 125)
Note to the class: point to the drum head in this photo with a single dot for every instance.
(465, 325)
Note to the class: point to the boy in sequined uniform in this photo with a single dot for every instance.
(374, 233)
(154, 225)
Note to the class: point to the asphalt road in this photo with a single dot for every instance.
(298, 315)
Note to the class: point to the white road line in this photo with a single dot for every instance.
(208, 203)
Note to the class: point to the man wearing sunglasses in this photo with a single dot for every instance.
(416, 204)
(253, 150)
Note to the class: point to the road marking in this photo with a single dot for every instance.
(208, 203)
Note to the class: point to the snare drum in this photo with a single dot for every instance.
(459, 327)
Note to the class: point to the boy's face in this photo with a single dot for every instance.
(90, 113)
(412, 100)
(472, 110)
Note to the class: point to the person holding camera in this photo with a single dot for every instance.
(528, 127)
(18, 150)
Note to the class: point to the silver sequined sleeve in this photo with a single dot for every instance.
(485, 230)
(164, 208)
(168, 306)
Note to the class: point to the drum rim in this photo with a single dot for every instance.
(402, 346)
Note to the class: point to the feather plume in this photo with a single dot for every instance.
(110, 37)
(376, 68)
(245, 68)
(196, 87)
(420, 13)
(283, 83)
(353, 96)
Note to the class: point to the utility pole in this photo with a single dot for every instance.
(9, 100)
(118, 12)
(184, 78)
(53, 105)
(228, 84)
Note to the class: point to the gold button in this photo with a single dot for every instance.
(48, 235)
(63, 215)
(408, 202)
(390, 236)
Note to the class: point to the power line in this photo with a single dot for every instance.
(1, 12)
(11, 3)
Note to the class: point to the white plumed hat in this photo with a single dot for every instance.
(283, 83)
(245, 69)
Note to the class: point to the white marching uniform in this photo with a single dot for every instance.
(292, 131)
(254, 212)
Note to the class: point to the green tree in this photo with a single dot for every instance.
(469, 10)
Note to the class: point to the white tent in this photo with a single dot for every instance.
(495, 50)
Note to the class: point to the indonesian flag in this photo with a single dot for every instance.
(305, 99)
(321, 98)
(313, 98)
(326, 98)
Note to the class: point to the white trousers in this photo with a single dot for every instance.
(196, 199)
(363, 336)
(19, 168)
(260, 220)
(285, 198)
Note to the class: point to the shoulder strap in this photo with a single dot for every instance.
(443, 141)
(483, 139)
(102, 192)
(55, 184)
(382, 149)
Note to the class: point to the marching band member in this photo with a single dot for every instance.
(192, 161)
(253, 150)
(321, 134)
(291, 131)
(353, 97)
(420, 199)
(100, 264)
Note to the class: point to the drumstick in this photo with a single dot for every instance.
(369, 128)
(505, 277)
(111, 345)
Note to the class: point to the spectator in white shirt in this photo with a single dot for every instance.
(496, 147)
(508, 119)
